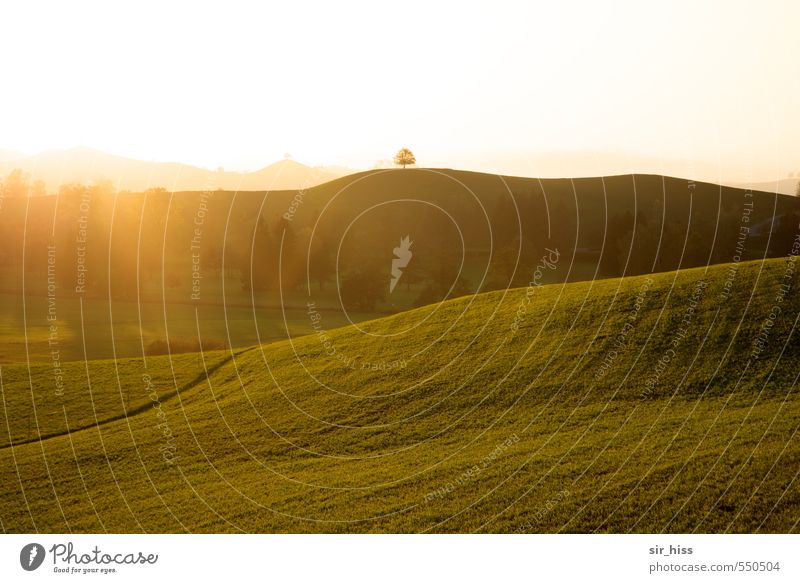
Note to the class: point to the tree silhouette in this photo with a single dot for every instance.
(362, 288)
(17, 182)
(322, 262)
(404, 157)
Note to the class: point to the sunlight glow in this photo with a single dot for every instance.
(707, 88)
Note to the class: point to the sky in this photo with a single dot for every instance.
(699, 89)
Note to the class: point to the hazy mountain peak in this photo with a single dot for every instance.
(87, 165)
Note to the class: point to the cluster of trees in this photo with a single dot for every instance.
(87, 241)
(19, 184)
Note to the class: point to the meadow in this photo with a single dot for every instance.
(122, 274)
(656, 403)
(99, 328)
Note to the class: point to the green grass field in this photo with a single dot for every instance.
(103, 329)
(645, 404)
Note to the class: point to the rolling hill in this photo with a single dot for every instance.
(664, 402)
(152, 260)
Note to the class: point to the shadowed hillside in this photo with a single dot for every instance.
(136, 271)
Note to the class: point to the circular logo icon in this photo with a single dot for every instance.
(31, 556)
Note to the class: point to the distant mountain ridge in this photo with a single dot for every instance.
(783, 186)
(86, 165)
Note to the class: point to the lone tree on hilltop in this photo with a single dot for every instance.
(404, 157)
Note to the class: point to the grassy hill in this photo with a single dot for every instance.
(662, 402)
(152, 260)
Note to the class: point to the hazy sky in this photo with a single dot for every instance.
(707, 87)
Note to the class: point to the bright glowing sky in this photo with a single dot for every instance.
(486, 86)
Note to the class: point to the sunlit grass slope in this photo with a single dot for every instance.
(661, 403)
